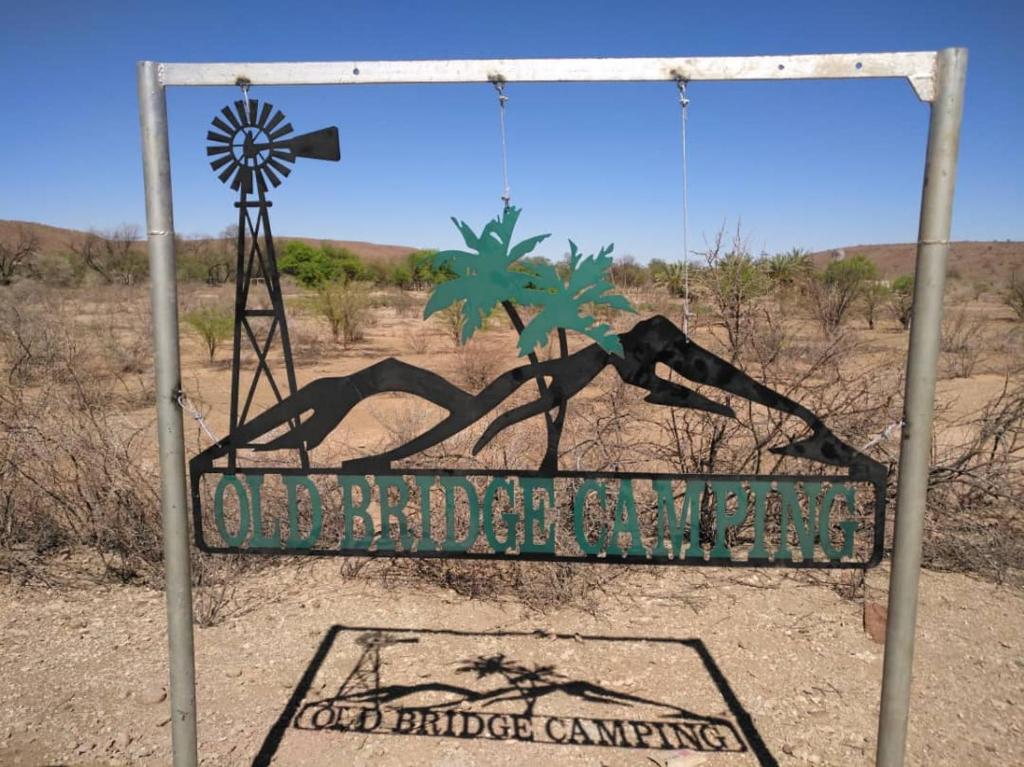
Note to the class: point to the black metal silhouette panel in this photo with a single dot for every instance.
(389, 504)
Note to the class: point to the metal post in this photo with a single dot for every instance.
(915, 452)
(156, 165)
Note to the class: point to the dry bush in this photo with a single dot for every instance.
(75, 475)
(975, 513)
(73, 470)
(960, 343)
(731, 284)
(476, 366)
(418, 339)
(1013, 295)
(404, 303)
(453, 321)
(347, 308)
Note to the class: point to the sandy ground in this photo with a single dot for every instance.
(311, 668)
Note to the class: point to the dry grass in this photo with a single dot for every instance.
(77, 461)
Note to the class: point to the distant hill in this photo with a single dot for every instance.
(368, 251)
(974, 261)
(54, 239)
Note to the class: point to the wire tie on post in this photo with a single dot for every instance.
(681, 85)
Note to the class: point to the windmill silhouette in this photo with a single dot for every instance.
(249, 146)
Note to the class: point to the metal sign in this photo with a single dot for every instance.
(374, 506)
(938, 79)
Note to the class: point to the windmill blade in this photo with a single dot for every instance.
(264, 114)
(231, 118)
(211, 150)
(284, 130)
(278, 116)
(220, 162)
(318, 145)
(285, 154)
(279, 166)
(226, 174)
(272, 176)
(219, 138)
(242, 116)
(260, 182)
(220, 125)
(253, 106)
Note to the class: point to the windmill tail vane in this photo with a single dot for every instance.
(251, 144)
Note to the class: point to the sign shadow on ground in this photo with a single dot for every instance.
(520, 695)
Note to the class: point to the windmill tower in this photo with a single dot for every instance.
(249, 146)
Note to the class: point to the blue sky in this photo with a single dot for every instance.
(808, 164)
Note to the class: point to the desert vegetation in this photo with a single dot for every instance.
(77, 456)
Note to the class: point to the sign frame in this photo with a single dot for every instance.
(937, 77)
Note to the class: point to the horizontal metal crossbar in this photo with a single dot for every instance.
(917, 67)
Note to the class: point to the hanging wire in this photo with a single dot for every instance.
(684, 104)
(506, 197)
(245, 94)
(186, 405)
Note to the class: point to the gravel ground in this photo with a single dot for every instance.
(310, 668)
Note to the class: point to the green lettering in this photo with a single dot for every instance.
(790, 510)
(350, 511)
(848, 526)
(397, 510)
(450, 485)
(259, 540)
(626, 522)
(723, 519)
(295, 540)
(490, 496)
(426, 541)
(579, 506)
(232, 481)
(761, 490)
(675, 526)
(533, 515)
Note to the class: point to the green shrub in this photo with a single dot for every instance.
(213, 324)
(839, 288)
(314, 267)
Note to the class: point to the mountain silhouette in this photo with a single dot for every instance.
(325, 402)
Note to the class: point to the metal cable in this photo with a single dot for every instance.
(190, 408)
(684, 104)
(506, 197)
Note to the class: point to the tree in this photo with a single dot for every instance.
(213, 324)
(309, 265)
(876, 293)
(627, 273)
(789, 269)
(314, 267)
(562, 301)
(839, 288)
(17, 250)
(901, 299)
(114, 255)
(494, 272)
(204, 258)
(733, 282)
(672, 277)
